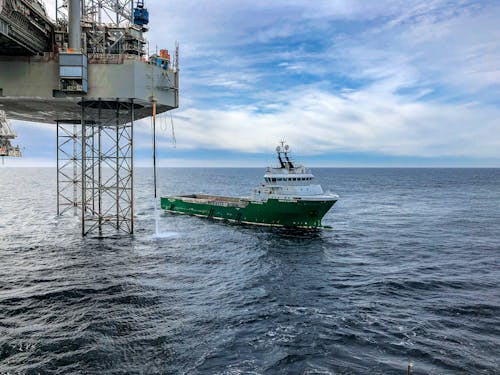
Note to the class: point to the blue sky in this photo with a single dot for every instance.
(346, 83)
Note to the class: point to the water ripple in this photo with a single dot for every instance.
(409, 272)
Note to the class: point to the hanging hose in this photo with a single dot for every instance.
(154, 168)
(174, 141)
(158, 234)
(154, 147)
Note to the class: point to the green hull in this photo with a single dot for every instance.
(273, 212)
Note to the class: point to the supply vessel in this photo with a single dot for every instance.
(288, 197)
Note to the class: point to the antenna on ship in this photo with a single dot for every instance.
(287, 150)
(278, 150)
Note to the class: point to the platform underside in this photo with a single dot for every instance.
(51, 110)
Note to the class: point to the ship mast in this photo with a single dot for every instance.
(284, 149)
(287, 150)
(278, 150)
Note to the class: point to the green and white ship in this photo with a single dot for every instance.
(289, 197)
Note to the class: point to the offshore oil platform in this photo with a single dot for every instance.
(89, 73)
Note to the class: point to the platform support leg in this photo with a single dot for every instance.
(95, 166)
(68, 166)
(107, 166)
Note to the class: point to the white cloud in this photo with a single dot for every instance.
(322, 123)
(450, 45)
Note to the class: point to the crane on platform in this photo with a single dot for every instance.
(7, 134)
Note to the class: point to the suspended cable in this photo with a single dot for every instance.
(154, 147)
(174, 141)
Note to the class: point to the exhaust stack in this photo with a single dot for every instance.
(74, 25)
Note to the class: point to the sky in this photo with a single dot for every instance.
(345, 83)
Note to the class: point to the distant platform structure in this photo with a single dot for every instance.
(7, 134)
(89, 73)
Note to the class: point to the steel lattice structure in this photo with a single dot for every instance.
(113, 12)
(7, 134)
(95, 166)
(68, 167)
(107, 166)
(107, 25)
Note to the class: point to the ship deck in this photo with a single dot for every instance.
(215, 200)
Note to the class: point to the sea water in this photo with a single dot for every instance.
(409, 272)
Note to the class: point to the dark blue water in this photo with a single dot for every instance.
(410, 271)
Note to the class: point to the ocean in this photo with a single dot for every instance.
(409, 272)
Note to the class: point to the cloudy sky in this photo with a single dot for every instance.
(346, 83)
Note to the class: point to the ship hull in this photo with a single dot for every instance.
(299, 213)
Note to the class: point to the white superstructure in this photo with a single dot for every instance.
(289, 181)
